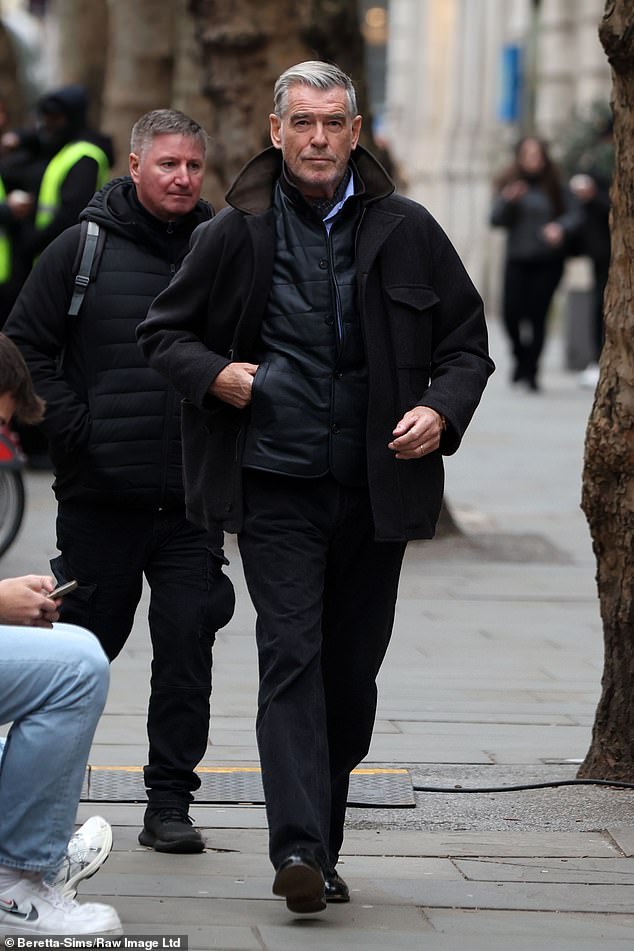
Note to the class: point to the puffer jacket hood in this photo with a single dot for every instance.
(71, 101)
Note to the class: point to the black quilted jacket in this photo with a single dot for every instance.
(113, 422)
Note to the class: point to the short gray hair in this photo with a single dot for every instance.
(165, 122)
(318, 75)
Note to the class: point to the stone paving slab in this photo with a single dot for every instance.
(393, 939)
(139, 913)
(580, 871)
(502, 844)
(224, 875)
(503, 895)
(128, 817)
(544, 925)
(382, 842)
(623, 836)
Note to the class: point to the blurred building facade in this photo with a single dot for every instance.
(464, 79)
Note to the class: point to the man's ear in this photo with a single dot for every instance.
(134, 162)
(275, 125)
(356, 130)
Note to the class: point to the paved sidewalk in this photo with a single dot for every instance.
(492, 679)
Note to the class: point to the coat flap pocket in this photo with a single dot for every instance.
(416, 296)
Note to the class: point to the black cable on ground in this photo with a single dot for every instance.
(523, 786)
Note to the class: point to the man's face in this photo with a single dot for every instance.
(53, 128)
(168, 175)
(316, 135)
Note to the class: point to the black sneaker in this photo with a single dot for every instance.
(169, 829)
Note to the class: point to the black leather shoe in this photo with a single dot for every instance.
(169, 829)
(300, 880)
(335, 888)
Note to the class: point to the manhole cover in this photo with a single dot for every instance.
(223, 785)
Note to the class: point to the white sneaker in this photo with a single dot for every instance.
(87, 850)
(31, 907)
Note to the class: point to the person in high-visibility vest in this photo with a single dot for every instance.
(78, 162)
(5, 240)
(15, 205)
(63, 163)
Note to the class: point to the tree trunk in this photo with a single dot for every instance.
(246, 45)
(139, 73)
(608, 478)
(187, 93)
(80, 45)
(10, 87)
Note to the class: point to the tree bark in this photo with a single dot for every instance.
(188, 95)
(81, 30)
(608, 477)
(140, 67)
(12, 95)
(246, 45)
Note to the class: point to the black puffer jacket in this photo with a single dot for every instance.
(113, 422)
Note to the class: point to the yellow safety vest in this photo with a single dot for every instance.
(5, 245)
(48, 200)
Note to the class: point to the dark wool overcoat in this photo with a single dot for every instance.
(423, 328)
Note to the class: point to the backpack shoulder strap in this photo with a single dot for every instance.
(91, 239)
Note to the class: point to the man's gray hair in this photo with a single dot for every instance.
(316, 74)
(165, 122)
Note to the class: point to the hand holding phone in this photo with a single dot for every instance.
(63, 589)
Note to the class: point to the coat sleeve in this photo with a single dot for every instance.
(461, 364)
(503, 212)
(571, 218)
(173, 335)
(39, 326)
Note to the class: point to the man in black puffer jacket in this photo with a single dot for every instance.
(114, 430)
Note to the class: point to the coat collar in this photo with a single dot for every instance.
(252, 190)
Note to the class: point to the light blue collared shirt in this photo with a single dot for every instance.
(337, 208)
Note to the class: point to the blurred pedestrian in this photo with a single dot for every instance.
(61, 162)
(114, 430)
(591, 185)
(539, 215)
(53, 687)
(15, 206)
(331, 347)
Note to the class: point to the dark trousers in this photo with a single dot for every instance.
(601, 269)
(109, 551)
(529, 287)
(324, 591)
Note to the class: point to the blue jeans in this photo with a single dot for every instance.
(53, 686)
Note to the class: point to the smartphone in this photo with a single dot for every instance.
(63, 589)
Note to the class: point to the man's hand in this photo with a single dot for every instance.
(514, 190)
(583, 186)
(417, 433)
(26, 601)
(20, 204)
(233, 384)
